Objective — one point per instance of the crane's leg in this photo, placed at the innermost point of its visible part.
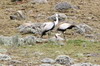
(41, 36)
(49, 34)
(64, 36)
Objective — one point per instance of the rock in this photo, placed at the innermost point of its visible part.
(15, 61)
(83, 29)
(5, 57)
(39, 1)
(57, 40)
(57, 37)
(17, 40)
(30, 40)
(45, 65)
(5, 40)
(63, 6)
(84, 64)
(34, 28)
(89, 35)
(61, 17)
(11, 40)
(40, 40)
(64, 60)
(19, 15)
(48, 60)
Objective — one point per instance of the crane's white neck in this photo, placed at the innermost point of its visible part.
(56, 22)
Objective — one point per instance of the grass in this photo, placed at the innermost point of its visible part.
(73, 48)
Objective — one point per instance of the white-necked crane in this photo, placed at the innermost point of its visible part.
(48, 26)
(63, 27)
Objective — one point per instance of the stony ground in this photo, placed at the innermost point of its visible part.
(88, 9)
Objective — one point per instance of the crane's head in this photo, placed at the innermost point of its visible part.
(56, 14)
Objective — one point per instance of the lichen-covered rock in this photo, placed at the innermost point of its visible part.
(64, 60)
(17, 40)
(84, 28)
(63, 6)
(30, 40)
(61, 17)
(34, 28)
(48, 60)
(6, 40)
(5, 57)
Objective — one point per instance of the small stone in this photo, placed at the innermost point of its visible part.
(48, 60)
(15, 61)
(64, 60)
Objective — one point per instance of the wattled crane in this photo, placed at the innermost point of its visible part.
(63, 27)
(48, 26)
